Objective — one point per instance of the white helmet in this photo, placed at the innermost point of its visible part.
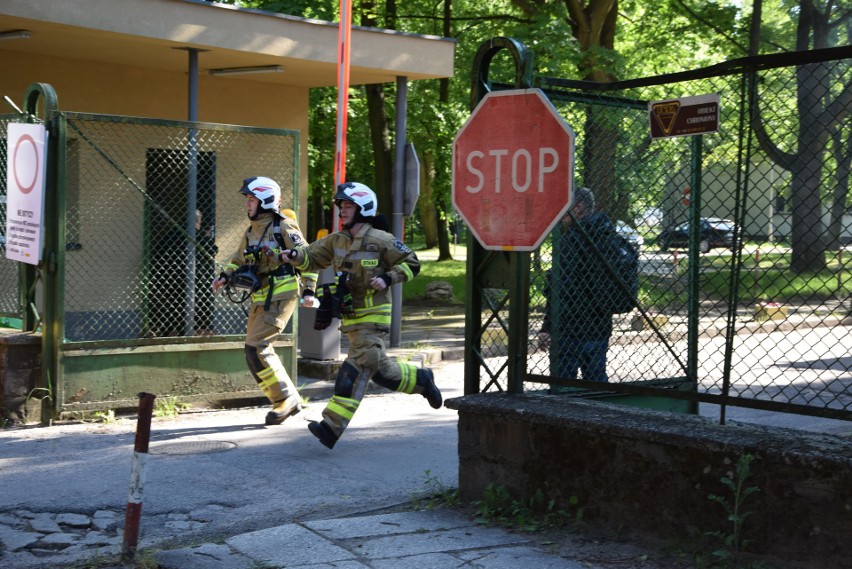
(360, 195)
(264, 189)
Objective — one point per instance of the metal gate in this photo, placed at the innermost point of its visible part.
(722, 315)
(139, 214)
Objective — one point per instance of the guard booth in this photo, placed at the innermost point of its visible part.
(138, 215)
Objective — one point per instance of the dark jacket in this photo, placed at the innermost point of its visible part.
(575, 307)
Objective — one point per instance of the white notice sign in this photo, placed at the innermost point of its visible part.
(25, 171)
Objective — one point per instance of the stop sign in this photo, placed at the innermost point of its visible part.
(513, 164)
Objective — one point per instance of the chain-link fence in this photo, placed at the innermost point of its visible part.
(152, 209)
(9, 296)
(744, 287)
(139, 217)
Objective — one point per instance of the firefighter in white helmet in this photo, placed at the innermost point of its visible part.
(367, 260)
(273, 287)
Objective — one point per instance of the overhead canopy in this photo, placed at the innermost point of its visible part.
(154, 34)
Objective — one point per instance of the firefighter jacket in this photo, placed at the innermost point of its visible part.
(278, 280)
(370, 253)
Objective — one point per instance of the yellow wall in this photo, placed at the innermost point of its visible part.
(90, 87)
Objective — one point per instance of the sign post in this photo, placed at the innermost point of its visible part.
(688, 116)
(513, 163)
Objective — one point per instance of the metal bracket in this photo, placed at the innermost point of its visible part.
(481, 84)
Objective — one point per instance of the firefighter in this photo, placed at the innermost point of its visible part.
(367, 260)
(274, 291)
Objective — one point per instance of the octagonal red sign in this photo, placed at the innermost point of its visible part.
(513, 165)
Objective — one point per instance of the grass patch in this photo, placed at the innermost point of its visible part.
(451, 271)
(779, 286)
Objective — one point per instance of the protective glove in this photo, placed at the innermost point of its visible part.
(309, 300)
(324, 314)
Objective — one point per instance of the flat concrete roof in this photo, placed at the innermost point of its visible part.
(155, 34)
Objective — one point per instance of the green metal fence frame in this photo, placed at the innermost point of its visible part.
(488, 270)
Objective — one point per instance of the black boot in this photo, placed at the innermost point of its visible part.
(283, 411)
(426, 380)
(323, 432)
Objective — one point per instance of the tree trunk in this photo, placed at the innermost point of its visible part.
(381, 143)
(808, 242)
(425, 205)
(818, 117)
(594, 28)
(843, 158)
(599, 159)
(442, 217)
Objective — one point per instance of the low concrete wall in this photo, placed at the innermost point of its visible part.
(653, 471)
(20, 373)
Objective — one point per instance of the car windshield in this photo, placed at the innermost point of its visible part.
(722, 224)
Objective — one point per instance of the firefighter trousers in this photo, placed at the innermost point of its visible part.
(262, 329)
(366, 354)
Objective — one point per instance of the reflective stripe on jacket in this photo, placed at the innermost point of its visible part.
(261, 233)
(369, 254)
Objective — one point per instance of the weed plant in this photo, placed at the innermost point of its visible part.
(734, 505)
(532, 515)
(168, 407)
(438, 494)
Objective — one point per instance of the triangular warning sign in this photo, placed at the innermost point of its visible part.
(666, 113)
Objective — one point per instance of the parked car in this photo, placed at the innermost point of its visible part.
(714, 232)
(633, 237)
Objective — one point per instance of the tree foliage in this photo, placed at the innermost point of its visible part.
(599, 40)
(823, 101)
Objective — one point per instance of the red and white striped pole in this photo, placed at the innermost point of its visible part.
(344, 45)
(137, 476)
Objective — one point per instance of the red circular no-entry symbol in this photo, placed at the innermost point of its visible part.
(25, 144)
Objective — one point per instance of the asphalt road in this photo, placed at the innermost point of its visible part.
(396, 448)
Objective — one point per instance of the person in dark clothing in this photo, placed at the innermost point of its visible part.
(578, 322)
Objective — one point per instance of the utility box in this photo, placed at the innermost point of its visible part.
(318, 344)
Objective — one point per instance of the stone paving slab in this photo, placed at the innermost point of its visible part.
(288, 545)
(206, 556)
(389, 524)
(334, 565)
(444, 541)
(426, 561)
(514, 558)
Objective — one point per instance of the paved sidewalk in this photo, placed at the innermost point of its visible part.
(417, 540)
